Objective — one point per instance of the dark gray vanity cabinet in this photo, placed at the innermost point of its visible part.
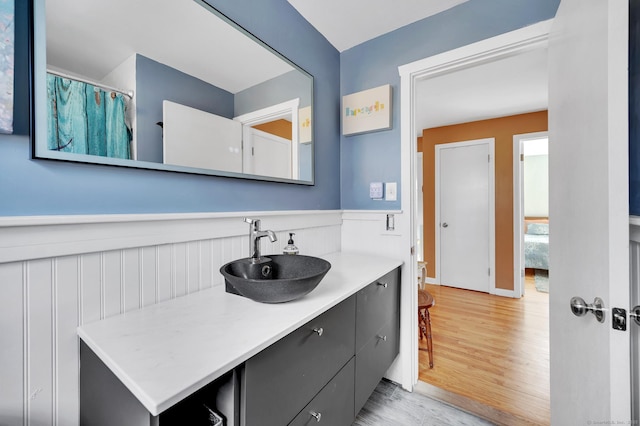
(377, 333)
(279, 381)
(309, 376)
(324, 370)
(334, 404)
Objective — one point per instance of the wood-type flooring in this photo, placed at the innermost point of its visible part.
(491, 354)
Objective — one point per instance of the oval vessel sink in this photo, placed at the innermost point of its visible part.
(275, 278)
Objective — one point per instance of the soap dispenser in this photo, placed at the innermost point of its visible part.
(290, 247)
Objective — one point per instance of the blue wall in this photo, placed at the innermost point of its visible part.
(156, 82)
(288, 86)
(44, 187)
(375, 157)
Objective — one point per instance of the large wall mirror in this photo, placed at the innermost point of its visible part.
(167, 85)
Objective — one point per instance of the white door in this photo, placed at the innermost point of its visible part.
(196, 138)
(271, 155)
(464, 220)
(588, 210)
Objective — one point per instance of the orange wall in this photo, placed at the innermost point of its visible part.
(280, 128)
(502, 129)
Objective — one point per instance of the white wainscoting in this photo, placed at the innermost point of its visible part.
(365, 231)
(59, 272)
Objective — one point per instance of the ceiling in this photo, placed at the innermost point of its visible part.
(349, 23)
(513, 85)
(92, 48)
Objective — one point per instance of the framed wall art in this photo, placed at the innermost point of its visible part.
(367, 111)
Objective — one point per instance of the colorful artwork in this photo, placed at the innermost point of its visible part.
(6, 65)
(367, 111)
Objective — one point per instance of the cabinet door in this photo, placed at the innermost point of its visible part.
(279, 381)
(373, 361)
(334, 404)
(377, 304)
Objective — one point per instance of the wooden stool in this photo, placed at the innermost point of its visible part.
(425, 301)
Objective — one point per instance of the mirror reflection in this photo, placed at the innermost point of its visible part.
(172, 85)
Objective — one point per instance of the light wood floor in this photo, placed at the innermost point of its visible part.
(491, 351)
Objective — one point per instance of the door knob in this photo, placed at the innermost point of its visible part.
(580, 308)
(444, 225)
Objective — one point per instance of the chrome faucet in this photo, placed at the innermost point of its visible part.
(254, 237)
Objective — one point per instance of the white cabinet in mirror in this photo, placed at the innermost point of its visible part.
(141, 96)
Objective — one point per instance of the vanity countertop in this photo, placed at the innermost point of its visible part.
(165, 352)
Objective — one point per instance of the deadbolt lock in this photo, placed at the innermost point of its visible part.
(619, 319)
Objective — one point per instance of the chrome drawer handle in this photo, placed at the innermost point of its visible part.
(385, 285)
(318, 331)
(383, 338)
(317, 416)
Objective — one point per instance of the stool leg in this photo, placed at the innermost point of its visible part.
(422, 332)
(429, 340)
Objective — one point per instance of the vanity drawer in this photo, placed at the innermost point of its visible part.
(376, 305)
(334, 404)
(374, 360)
(279, 381)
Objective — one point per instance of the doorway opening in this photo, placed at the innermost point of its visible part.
(531, 210)
(481, 306)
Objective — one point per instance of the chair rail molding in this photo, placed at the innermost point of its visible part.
(37, 237)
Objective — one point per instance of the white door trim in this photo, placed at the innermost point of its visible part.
(282, 110)
(492, 206)
(528, 38)
(518, 212)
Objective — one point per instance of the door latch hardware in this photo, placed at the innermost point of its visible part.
(619, 320)
(580, 308)
(635, 314)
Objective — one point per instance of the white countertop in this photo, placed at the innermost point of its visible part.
(165, 352)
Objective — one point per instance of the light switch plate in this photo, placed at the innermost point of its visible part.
(391, 191)
(376, 190)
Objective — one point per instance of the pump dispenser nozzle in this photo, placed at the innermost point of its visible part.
(290, 247)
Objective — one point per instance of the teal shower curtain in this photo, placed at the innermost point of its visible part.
(85, 119)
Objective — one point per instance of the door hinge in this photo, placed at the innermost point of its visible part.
(488, 158)
(413, 251)
(489, 271)
(253, 151)
(521, 157)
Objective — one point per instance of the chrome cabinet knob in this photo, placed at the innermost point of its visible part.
(381, 284)
(444, 225)
(315, 415)
(383, 338)
(318, 331)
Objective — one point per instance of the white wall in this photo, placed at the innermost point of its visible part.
(124, 77)
(536, 185)
(59, 272)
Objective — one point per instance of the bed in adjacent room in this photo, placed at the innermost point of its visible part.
(536, 251)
